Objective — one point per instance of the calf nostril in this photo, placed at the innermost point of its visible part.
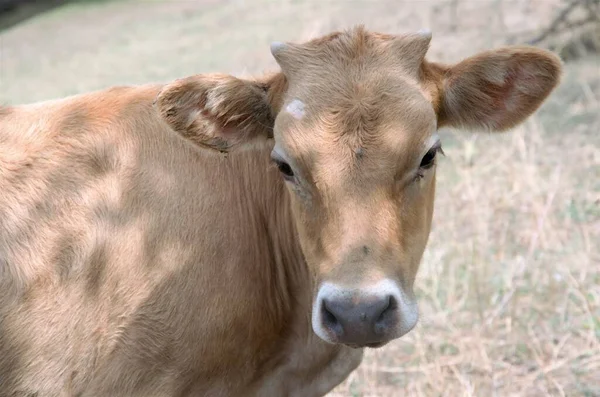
(388, 302)
(329, 319)
(328, 316)
(387, 311)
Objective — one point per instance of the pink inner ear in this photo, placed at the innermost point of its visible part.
(514, 96)
(223, 133)
(231, 134)
(498, 90)
(506, 98)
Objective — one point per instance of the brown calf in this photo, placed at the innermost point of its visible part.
(135, 262)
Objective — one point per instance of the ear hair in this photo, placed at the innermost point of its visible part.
(216, 110)
(494, 90)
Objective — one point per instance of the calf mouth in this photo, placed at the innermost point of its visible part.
(374, 345)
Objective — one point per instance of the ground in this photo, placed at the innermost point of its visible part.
(509, 287)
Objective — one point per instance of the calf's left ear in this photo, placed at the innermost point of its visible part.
(217, 111)
(495, 90)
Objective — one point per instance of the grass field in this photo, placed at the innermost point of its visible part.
(509, 287)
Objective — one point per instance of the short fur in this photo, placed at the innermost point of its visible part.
(134, 261)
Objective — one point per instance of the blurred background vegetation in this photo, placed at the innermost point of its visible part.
(509, 287)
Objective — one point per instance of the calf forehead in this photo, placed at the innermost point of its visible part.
(364, 127)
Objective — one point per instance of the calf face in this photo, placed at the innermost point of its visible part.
(353, 120)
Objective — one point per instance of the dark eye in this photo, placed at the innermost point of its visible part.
(429, 159)
(284, 168)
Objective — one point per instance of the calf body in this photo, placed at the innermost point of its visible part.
(133, 264)
(137, 258)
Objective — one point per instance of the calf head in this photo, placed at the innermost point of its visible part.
(353, 120)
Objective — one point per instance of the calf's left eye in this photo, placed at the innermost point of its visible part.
(429, 159)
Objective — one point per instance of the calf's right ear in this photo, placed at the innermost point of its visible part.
(217, 111)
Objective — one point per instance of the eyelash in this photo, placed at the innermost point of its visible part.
(432, 154)
(286, 171)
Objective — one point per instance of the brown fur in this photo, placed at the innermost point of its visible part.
(133, 263)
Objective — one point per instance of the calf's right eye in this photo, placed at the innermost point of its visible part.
(285, 169)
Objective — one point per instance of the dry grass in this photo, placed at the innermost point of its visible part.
(509, 287)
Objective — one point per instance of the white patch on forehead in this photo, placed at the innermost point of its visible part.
(296, 109)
